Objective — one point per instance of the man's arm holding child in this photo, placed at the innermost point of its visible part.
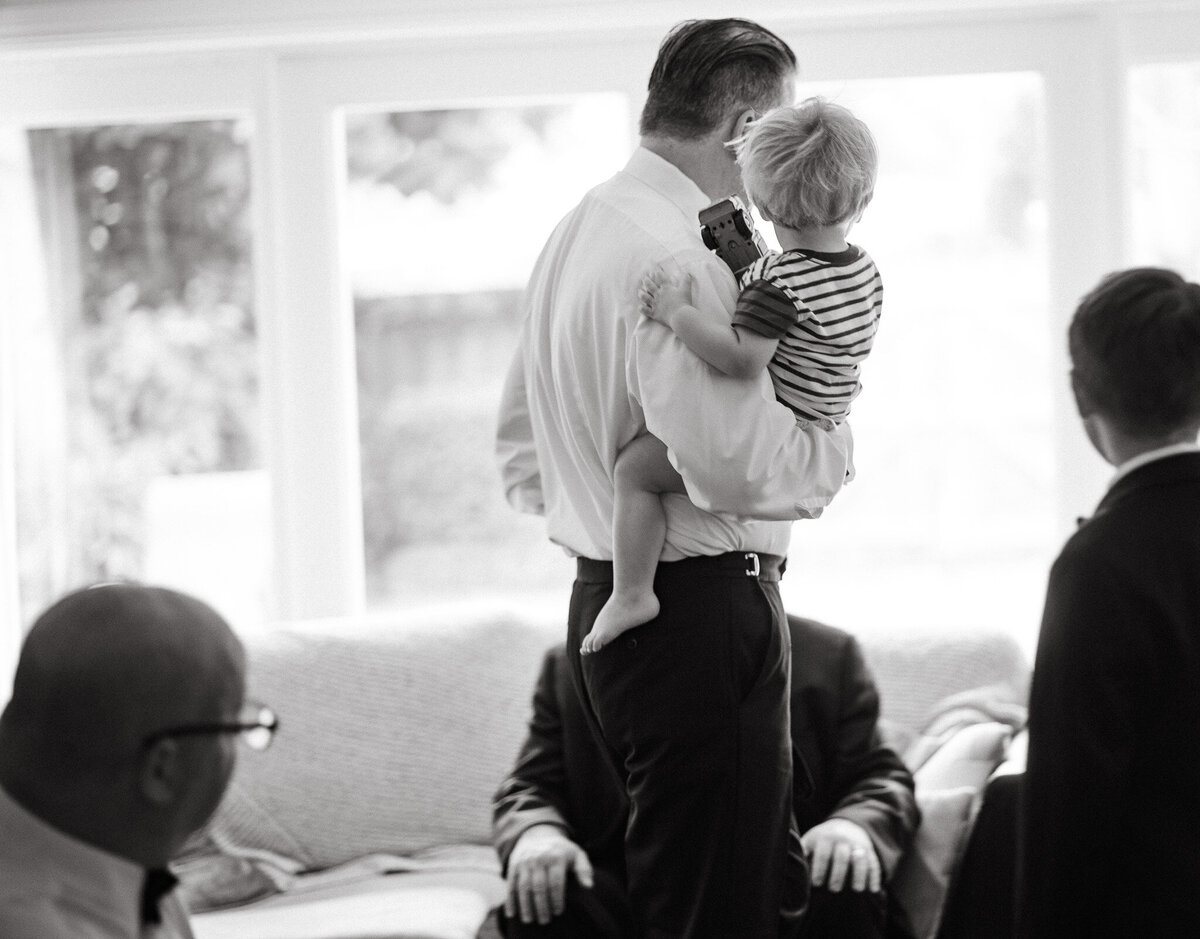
(738, 449)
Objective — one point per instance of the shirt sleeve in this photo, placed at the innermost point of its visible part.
(739, 451)
(764, 308)
(516, 453)
(534, 793)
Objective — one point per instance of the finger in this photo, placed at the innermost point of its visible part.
(524, 895)
(583, 870)
(510, 898)
(838, 866)
(820, 860)
(541, 895)
(876, 878)
(860, 869)
(556, 880)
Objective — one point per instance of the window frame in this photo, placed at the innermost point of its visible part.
(295, 84)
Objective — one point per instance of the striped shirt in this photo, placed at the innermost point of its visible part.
(824, 309)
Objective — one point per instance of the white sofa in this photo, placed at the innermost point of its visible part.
(370, 815)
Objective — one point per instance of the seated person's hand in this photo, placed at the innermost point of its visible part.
(838, 847)
(537, 873)
(661, 295)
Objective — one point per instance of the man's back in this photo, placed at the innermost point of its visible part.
(1112, 829)
(582, 354)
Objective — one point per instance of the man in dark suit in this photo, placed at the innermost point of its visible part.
(1111, 802)
(560, 816)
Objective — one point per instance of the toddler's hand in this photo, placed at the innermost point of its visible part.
(660, 295)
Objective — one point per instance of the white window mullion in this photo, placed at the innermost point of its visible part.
(1085, 132)
(312, 422)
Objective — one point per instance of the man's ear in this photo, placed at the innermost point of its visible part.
(738, 125)
(1084, 403)
(159, 771)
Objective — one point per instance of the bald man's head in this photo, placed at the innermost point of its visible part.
(105, 666)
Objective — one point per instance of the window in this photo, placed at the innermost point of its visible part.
(953, 431)
(1164, 106)
(366, 364)
(446, 212)
(136, 426)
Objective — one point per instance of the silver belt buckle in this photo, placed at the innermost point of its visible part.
(752, 559)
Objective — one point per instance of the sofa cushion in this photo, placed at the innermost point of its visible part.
(916, 671)
(394, 732)
(425, 905)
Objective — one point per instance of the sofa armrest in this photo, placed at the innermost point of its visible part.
(949, 787)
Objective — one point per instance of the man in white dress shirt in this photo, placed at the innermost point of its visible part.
(116, 745)
(692, 707)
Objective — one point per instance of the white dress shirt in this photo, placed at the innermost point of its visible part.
(591, 374)
(53, 886)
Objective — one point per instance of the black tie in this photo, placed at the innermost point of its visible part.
(159, 882)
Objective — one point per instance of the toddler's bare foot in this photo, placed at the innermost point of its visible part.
(620, 614)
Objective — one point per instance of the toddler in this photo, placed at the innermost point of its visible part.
(807, 313)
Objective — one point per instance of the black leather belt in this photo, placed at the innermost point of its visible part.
(769, 567)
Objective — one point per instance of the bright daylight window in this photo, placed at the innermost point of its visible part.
(1164, 102)
(137, 434)
(951, 518)
(446, 212)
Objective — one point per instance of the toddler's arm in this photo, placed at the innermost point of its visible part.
(739, 353)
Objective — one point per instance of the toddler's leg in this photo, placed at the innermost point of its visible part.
(639, 529)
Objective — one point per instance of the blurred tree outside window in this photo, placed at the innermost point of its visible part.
(446, 212)
(138, 439)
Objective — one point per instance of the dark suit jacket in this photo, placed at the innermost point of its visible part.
(561, 776)
(1111, 803)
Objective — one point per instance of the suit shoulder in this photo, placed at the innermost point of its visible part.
(820, 652)
(820, 635)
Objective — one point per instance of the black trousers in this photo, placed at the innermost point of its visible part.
(603, 913)
(692, 710)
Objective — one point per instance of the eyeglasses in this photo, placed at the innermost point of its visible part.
(256, 726)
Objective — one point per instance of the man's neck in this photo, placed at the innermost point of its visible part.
(1118, 447)
(705, 161)
(87, 816)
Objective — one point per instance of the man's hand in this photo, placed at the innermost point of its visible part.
(838, 847)
(537, 873)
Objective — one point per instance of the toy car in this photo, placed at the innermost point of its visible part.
(727, 229)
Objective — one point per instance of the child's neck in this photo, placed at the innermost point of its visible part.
(829, 238)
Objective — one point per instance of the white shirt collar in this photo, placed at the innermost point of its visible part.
(56, 864)
(1149, 457)
(667, 179)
